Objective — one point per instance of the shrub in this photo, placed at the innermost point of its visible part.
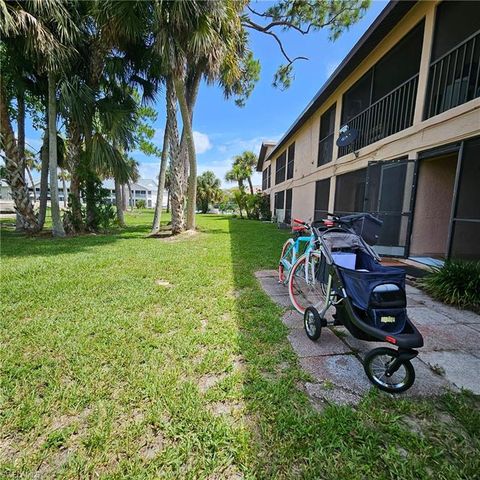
(140, 204)
(456, 283)
(258, 206)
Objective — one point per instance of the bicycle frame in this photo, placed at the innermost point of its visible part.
(295, 251)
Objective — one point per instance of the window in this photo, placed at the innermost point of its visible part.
(266, 178)
(149, 192)
(325, 144)
(280, 168)
(279, 200)
(288, 206)
(350, 192)
(322, 195)
(291, 160)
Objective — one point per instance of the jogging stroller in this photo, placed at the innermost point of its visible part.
(369, 299)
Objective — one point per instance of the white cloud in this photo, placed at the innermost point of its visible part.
(202, 142)
(331, 67)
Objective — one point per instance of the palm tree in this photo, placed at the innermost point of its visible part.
(247, 162)
(236, 174)
(199, 39)
(208, 190)
(48, 30)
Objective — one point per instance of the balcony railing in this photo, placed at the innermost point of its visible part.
(454, 77)
(388, 115)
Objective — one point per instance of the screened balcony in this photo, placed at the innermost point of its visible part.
(382, 102)
(454, 75)
(391, 114)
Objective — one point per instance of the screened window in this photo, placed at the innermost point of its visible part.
(357, 99)
(454, 22)
(325, 144)
(288, 206)
(266, 178)
(280, 168)
(466, 222)
(279, 200)
(350, 191)
(291, 160)
(322, 195)
(397, 66)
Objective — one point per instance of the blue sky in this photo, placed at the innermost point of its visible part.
(223, 130)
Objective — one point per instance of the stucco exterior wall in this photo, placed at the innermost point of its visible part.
(455, 124)
(433, 206)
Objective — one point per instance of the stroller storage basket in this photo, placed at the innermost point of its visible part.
(380, 293)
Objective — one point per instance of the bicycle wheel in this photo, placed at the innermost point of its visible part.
(287, 254)
(304, 288)
(376, 363)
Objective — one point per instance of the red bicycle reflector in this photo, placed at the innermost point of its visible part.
(328, 223)
(390, 339)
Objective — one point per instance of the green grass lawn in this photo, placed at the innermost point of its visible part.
(128, 357)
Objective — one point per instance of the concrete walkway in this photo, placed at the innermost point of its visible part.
(450, 358)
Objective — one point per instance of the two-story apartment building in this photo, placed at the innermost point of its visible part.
(409, 94)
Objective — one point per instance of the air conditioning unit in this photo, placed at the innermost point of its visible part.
(280, 215)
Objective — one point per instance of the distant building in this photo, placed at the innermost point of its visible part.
(145, 189)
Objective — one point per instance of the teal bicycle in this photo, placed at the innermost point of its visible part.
(294, 248)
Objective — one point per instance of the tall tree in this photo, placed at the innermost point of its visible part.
(208, 189)
(48, 30)
(236, 174)
(243, 166)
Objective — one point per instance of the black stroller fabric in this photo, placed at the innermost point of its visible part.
(359, 286)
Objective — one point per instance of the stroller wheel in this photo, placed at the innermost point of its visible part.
(312, 323)
(377, 363)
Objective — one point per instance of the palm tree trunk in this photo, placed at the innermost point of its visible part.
(57, 225)
(125, 199)
(118, 203)
(157, 218)
(168, 201)
(192, 84)
(75, 150)
(21, 145)
(44, 157)
(250, 184)
(177, 194)
(192, 161)
(14, 168)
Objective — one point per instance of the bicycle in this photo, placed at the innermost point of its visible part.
(293, 248)
(306, 285)
(308, 281)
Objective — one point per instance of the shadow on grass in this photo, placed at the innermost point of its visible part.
(277, 408)
(16, 244)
